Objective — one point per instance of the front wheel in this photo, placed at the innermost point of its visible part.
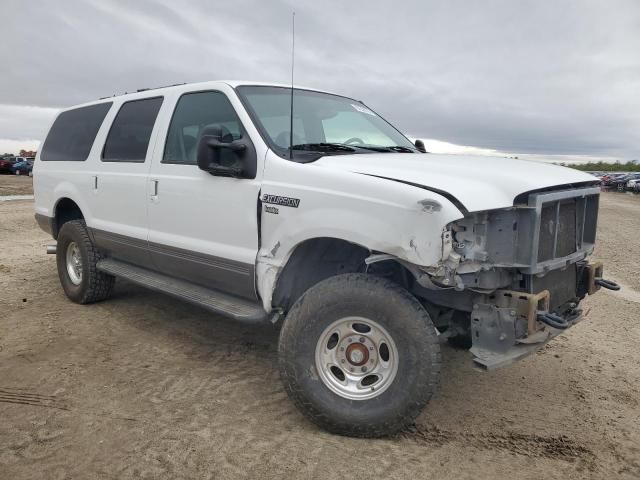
(359, 356)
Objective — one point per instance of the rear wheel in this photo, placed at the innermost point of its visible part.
(76, 257)
(359, 356)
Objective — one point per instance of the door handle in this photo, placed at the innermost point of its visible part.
(95, 182)
(154, 188)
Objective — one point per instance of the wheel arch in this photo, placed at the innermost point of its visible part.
(316, 259)
(65, 210)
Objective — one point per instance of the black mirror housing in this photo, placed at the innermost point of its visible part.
(209, 154)
(420, 146)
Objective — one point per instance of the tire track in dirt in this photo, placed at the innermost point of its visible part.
(21, 396)
(558, 447)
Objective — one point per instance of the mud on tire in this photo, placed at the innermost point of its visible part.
(95, 285)
(398, 313)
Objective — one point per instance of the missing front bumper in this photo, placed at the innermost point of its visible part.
(506, 327)
(490, 356)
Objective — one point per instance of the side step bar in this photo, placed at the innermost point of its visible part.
(218, 302)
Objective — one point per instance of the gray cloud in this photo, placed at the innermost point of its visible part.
(557, 77)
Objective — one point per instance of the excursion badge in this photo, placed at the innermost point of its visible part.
(282, 201)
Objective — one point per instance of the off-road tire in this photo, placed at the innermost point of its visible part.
(95, 285)
(407, 322)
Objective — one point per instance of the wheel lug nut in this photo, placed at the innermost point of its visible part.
(351, 369)
(350, 339)
(364, 369)
(371, 348)
(361, 339)
(342, 361)
(342, 349)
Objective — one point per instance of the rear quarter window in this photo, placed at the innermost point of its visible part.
(129, 136)
(73, 133)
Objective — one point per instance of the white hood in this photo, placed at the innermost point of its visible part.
(479, 183)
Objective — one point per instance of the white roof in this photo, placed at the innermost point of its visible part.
(144, 93)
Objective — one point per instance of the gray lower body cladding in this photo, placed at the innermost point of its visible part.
(45, 223)
(209, 271)
(217, 273)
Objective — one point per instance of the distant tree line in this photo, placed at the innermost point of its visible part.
(630, 166)
(23, 153)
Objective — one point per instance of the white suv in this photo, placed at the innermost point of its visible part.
(363, 246)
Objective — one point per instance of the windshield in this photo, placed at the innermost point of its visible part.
(323, 124)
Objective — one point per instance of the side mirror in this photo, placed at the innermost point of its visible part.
(420, 146)
(210, 154)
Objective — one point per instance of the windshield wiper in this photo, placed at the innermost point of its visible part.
(378, 148)
(343, 147)
(373, 148)
(323, 147)
(400, 148)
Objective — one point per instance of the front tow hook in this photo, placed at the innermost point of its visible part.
(553, 320)
(608, 284)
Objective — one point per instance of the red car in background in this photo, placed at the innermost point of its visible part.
(6, 165)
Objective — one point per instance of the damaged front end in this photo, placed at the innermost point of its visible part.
(518, 274)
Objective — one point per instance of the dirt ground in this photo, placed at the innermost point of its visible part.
(16, 185)
(144, 386)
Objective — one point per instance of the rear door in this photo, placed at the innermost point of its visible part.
(119, 182)
(202, 228)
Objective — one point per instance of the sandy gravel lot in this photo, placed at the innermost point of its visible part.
(144, 386)
(16, 185)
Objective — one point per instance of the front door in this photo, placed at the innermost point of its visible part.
(202, 228)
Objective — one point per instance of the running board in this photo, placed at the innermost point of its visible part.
(213, 300)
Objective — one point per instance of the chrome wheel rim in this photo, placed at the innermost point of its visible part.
(74, 263)
(356, 358)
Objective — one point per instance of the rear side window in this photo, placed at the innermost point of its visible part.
(130, 132)
(194, 112)
(73, 132)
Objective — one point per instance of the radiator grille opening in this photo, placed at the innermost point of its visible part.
(566, 226)
(547, 232)
(566, 242)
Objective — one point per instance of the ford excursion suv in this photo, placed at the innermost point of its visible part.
(363, 248)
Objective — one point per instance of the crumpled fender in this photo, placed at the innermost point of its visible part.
(381, 215)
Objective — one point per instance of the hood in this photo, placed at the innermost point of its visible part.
(477, 182)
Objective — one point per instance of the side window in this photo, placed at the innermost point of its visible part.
(130, 132)
(195, 112)
(73, 133)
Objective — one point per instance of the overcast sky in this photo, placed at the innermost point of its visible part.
(541, 77)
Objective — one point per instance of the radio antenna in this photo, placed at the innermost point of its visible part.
(293, 46)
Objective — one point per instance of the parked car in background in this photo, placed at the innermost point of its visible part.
(620, 183)
(604, 179)
(612, 181)
(632, 182)
(22, 167)
(6, 164)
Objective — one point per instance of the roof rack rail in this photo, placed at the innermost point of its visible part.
(143, 90)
